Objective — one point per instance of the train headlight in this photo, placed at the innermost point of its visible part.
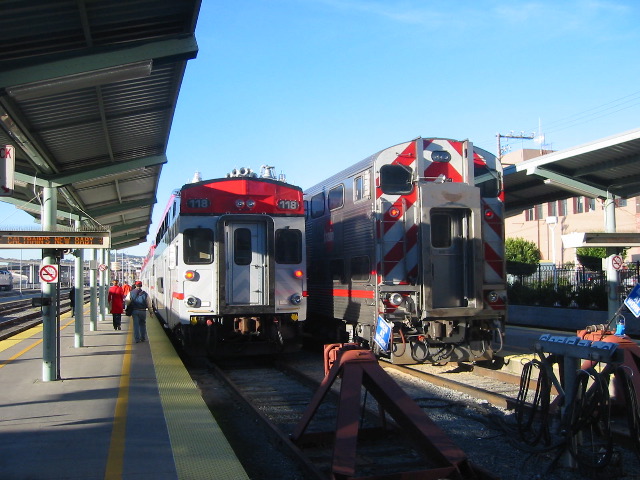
(192, 301)
(395, 299)
(239, 203)
(488, 214)
(251, 203)
(493, 296)
(191, 275)
(394, 212)
(298, 273)
(295, 299)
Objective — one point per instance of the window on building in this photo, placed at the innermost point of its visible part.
(552, 209)
(591, 204)
(529, 215)
(562, 208)
(538, 211)
(578, 204)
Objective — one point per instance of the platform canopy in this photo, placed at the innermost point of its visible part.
(610, 166)
(88, 91)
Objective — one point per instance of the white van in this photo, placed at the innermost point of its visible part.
(6, 280)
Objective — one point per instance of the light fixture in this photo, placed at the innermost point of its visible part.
(92, 78)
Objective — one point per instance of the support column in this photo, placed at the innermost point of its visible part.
(78, 278)
(612, 274)
(93, 292)
(50, 367)
(102, 285)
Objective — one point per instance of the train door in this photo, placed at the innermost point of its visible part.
(449, 236)
(246, 247)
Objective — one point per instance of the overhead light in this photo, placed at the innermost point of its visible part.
(76, 81)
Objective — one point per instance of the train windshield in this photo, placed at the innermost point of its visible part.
(395, 179)
(198, 246)
(288, 246)
(487, 180)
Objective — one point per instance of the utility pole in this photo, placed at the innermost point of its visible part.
(512, 135)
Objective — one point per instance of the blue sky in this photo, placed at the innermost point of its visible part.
(311, 86)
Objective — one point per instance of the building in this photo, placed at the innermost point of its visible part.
(545, 224)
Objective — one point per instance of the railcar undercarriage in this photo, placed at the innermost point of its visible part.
(225, 336)
(436, 341)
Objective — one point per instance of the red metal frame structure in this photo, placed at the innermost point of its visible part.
(359, 367)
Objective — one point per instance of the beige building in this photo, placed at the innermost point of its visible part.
(546, 223)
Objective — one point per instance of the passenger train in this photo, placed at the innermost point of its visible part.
(405, 253)
(227, 271)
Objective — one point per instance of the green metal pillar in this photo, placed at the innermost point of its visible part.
(93, 292)
(78, 283)
(50, 354)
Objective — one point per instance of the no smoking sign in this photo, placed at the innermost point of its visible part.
(49, 273)
(616, 262)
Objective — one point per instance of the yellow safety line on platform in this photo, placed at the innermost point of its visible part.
(16, 339)
(115, 460)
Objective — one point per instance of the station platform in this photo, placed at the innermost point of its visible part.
(121, 410)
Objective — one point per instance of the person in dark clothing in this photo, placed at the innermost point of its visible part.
(72, 299)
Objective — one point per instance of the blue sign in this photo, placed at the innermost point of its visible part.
(383, 334)
(633, 301)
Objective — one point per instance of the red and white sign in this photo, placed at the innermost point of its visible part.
(49, 273)
(102, 267)
(616, 262)
(7, 170)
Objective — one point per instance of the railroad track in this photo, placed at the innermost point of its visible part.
(19, 315)
(277, 394)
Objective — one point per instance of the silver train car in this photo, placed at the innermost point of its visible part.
(227, 271)
(405, 253)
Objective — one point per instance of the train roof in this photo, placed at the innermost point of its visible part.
(364, 163)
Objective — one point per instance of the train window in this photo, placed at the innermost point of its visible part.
(440, 230)
(288, 246)
(160, 284)
(198, 246)
(487, 180)
(360, 268)
(395, 179)
(336, 268)
(336, 197)
(317, 205)
(358, 189)
(242, 252)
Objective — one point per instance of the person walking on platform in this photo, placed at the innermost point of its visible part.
(126, 288)
(72, 300)
(140, 302)
(116, 304)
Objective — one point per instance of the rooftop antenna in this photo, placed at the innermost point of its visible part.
(196, 177)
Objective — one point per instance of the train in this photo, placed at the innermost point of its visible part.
(226, 272)
(405, 253)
